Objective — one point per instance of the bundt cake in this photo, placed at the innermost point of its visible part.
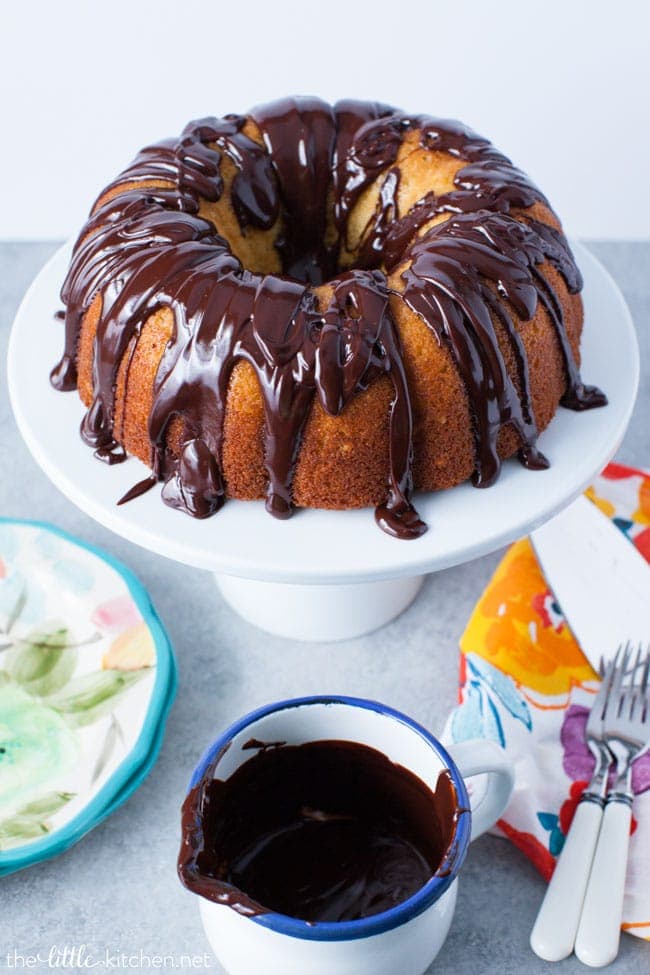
(324, 306)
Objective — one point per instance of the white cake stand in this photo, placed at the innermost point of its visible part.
(324, 575)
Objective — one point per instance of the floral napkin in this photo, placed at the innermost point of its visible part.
(525, 683)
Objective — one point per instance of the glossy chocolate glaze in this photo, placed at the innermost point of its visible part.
(299, 135)
(485, 256)
(326, 831)
(145, 246)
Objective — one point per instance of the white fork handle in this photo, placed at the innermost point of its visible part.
(599, 930)
(554, 933)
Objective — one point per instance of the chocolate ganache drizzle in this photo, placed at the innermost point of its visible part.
(324, 831)
(146, 246)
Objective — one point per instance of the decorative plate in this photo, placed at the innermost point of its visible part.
(87, 676)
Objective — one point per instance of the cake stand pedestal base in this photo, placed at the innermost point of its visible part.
(319, 613)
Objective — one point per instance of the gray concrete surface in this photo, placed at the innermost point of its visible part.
(117, 890)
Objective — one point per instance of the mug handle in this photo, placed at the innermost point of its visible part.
(482, 757)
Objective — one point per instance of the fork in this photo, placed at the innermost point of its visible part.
(554, 933)
(627, 733)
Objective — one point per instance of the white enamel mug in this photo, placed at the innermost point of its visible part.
(407, 937)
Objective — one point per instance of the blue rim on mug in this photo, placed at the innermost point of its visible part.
(395, 916)
(142, 757)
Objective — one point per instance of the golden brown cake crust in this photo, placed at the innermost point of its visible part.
(342, 458)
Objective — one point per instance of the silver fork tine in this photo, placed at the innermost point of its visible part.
(619, 668)
(626, 660)
(604, 695)
(643, 683)
(646, 672)
(628, 701)
(631, 694)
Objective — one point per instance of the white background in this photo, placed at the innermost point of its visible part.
(561, 87)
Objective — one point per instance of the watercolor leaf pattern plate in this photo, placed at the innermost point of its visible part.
(85, 681)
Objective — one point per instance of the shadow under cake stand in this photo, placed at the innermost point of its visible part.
(324, 575)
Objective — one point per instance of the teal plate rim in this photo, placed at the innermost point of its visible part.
(138, 763)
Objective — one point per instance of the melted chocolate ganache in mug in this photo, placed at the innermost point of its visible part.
(325, 831)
